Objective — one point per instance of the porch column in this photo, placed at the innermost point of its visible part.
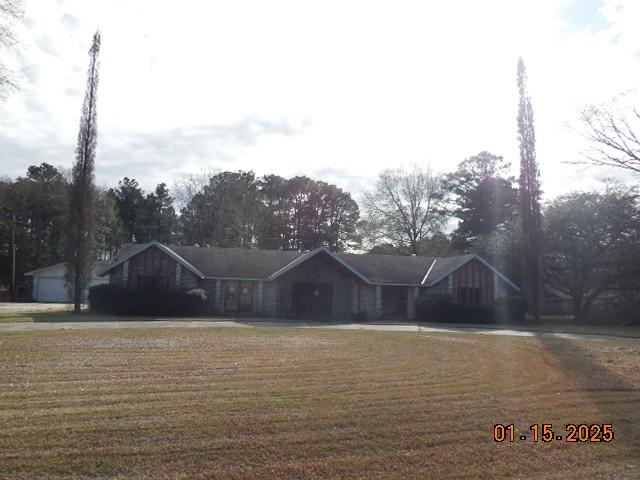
(125, 274)
(260, 297)
(495, 287)
(178, 275)
(355, 304)
(279, 298)
(378, 299)
(218, 301)
(36, 285)
(450, 284)
(411, 303)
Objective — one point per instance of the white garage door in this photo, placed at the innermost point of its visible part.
(52, 289)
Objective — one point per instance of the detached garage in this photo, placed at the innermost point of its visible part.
(48, 284)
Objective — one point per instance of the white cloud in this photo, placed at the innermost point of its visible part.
(374, 84)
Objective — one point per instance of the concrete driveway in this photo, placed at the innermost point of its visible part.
(109, 325)
(33, 307)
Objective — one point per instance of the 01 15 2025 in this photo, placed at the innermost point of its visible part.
(544, 433)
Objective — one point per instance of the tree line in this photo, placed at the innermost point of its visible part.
(233, 209)
(582, 246)
(240, 209)
(591, 238)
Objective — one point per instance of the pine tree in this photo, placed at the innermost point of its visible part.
(80, 242)
(529, 199)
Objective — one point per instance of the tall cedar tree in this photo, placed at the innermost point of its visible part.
(80, 243)
(529, 199)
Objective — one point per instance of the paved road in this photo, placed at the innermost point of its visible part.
(33, 307)
(44, 326)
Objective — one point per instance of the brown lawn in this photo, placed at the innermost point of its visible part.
(299, 403)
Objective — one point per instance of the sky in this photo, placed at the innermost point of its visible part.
(336, 90)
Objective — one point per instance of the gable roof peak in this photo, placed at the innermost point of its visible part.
(257, 264)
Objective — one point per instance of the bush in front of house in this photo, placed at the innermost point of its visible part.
(474, 313)
(100, 298)
(510, 309)
(111, 299)
(444, 308)
(360, 317)
(438, 307)
(195, 301)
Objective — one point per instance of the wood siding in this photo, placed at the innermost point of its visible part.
(153, 263)
(473, 275)
(319, 269)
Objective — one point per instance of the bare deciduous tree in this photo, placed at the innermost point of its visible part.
(406, 206)
(188, 184)
(10, 11)
(613, 133)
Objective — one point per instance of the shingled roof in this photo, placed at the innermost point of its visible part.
(218, 262)
(389, 268)
(236, 262)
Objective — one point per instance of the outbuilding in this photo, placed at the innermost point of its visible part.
(48, 283)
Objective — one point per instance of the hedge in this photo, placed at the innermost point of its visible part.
(112, 299)
(438, 307)
(510, 309)
(475, 314)
(444, 308)
(361, 316)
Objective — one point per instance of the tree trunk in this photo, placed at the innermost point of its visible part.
(13, 257)
(77, 289)
(580, 309)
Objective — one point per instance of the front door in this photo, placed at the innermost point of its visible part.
(312, 299)
(245, 303)
(231, 296)
(238, 296)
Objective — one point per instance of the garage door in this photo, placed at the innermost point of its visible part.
(52, 289)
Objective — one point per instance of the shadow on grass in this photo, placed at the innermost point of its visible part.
(617, 399)
(64, 317)
(98, 317)
(58, 317)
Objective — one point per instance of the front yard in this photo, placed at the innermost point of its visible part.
(61, 313)
(301, 403)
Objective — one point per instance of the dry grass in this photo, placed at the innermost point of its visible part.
(11, 317)
(297, 403)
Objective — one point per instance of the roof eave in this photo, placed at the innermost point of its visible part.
(30, 273)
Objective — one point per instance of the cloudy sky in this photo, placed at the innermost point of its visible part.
(336, 90)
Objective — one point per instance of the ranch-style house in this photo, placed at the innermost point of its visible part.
(313, 284)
